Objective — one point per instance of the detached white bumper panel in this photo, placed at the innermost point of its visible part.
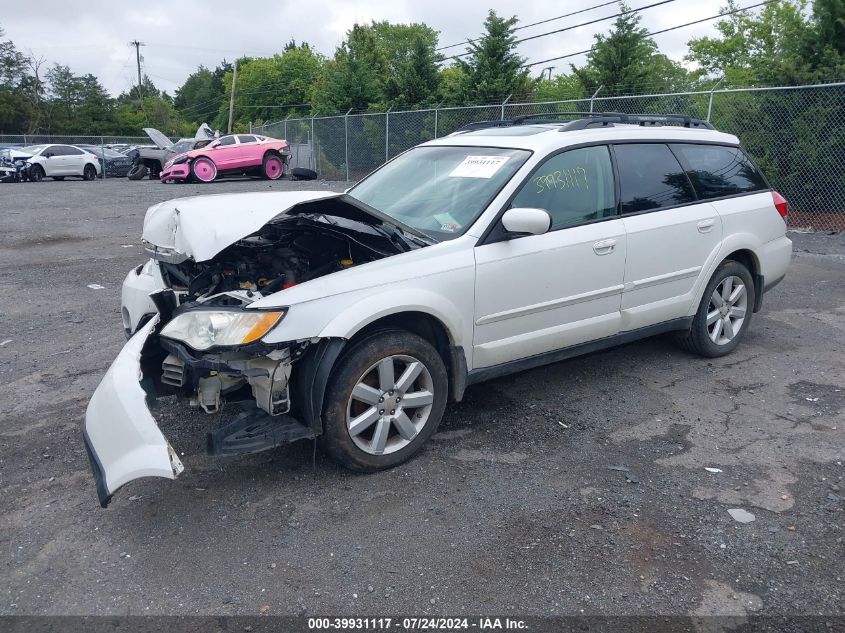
(135, 295)
(121, 436)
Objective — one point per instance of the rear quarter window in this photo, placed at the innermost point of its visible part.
(717, 171)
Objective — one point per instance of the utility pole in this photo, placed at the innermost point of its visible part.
(138, 46)
(232, 96)
(550, 69)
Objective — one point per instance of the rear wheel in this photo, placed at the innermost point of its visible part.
(385, 399)
(724, 312)
(273, 167)
(204, 169)
(36, 173)
(89, 173)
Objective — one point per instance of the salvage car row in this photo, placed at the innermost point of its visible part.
(204, 158)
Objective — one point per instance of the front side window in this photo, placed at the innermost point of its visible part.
(717, 170)
(574, 187)
(227, 140)
(650, 177)
(440, 190)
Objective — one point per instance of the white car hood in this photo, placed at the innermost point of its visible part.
(202, 226)
(161, 141)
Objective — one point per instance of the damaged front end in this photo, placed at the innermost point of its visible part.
(203, 343)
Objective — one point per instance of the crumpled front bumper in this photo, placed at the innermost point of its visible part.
(121, 436)
(182, 171)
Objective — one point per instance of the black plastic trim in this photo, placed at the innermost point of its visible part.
(97, 468)
(310, 378)
(538, 360)
(458, 373)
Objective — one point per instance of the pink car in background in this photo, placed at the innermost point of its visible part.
(247, 154)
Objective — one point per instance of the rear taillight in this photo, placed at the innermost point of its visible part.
(781, 205)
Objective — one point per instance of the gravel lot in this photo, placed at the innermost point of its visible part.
(576, 488)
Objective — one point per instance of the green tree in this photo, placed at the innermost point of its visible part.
(272, 88)
(626, 61)
(202, 98)
(757, 48)
(492, 67)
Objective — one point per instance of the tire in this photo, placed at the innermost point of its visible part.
(273, 167)
(89, 172)
(36, 173)
(59, 178)
(139, 171)
(358, 369)
(203, 169)
(728, 321)
(303, 173)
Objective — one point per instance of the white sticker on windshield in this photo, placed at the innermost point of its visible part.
(478, 167)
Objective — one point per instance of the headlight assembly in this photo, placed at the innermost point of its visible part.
(204, 329)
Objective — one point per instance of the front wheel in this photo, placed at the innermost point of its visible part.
(724, 313)
(204, 169)
(385, 399)
(36, 173)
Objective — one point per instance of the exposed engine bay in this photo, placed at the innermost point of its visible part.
(281, 254)
(289, 250)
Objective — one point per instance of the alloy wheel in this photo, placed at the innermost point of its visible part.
(727, 310)
(390, 404)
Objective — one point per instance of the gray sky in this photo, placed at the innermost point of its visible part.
(92, 36)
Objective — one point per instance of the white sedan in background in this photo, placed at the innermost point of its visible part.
(59, 161)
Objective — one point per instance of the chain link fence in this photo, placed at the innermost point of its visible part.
(796, 135)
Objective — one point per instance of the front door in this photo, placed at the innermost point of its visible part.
(225, 153)
(541, 293)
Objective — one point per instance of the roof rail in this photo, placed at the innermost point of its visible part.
(583, 120)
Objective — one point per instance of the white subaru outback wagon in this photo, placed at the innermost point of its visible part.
(352, 318)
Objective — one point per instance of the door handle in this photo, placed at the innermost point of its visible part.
(603, 247)
(705, 226)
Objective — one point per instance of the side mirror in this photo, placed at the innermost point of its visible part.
(48, 155)
(526, 221)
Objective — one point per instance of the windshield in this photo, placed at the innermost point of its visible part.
(33, 149)
(440, 190)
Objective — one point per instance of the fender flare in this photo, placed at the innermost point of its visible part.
(731, 244)
(389, 302)
(315, 368)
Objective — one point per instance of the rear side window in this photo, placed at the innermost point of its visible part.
(246, 139)
(650, 177)
(717, 171)
(574, 187)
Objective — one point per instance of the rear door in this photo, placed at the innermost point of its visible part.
(74, 160)
(247, 150)
(672, 235)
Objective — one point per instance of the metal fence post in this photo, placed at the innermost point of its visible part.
(103, 154)
(436, 112)
(594, 97)
(346, 141)
(386, 134)
(710, 100)
(503, 106)
(313, 145)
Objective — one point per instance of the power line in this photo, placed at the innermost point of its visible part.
(674, 28)
(577, 26)
(526, 26)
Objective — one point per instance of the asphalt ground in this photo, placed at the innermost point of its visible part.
(575, 488)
